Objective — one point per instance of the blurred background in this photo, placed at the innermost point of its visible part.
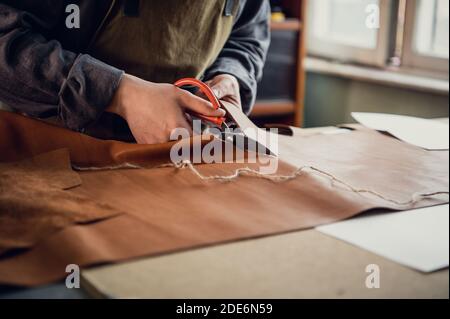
(329, 58)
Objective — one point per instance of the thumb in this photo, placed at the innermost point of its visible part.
(220, 89)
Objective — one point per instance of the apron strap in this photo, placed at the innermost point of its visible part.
(229, 7)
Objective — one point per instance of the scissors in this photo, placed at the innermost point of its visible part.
(244, 128)
(189, 83)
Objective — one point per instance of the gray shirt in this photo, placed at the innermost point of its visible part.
(45, 68)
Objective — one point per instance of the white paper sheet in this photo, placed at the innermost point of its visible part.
(427, 134)
(418, 239)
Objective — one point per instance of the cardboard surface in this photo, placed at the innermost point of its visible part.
(418, 238)
(428, 134)
(303, 264)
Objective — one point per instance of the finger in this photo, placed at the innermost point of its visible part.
(199, 105)
(188, 117)
(210, 84)
(223, 88)
(195, 124)
(181, 129)
(184, 124)
(201, 94)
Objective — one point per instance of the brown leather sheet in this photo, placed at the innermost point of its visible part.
(34, 201)
(169, 210)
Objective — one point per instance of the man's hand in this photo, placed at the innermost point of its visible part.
(154, 110)
(226, 88)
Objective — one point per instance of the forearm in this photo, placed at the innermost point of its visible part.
(244, 54)
(39, 77)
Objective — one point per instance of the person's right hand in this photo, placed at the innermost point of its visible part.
(154, 110)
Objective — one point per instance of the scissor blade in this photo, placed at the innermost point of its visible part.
(256, 136)
(244, 143)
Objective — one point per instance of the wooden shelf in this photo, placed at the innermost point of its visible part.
(274, 108)
(291, 111)
(289, 24)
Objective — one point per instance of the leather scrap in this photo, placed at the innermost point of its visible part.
(35, 201)
(169, 209)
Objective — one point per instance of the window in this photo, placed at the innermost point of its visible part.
(412, 33)
(431, 38)
(350, 30)
(426, 43)
(332, 23)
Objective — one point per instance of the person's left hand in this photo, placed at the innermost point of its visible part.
(226, 88)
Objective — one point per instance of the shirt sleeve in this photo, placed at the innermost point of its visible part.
(39, 77)
(244, 53)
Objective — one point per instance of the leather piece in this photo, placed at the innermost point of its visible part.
(170, 210)
(18, 141)
(52, 169)
(367, 159)
(35, 201)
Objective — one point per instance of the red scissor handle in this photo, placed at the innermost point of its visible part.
(205, 89)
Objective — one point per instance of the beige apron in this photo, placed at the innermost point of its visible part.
(169, 40)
